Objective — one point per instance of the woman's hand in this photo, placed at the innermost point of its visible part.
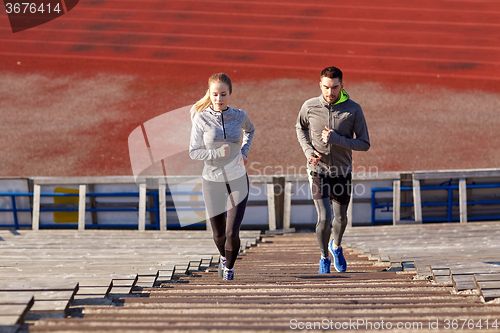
(244, 159)
(225, 150)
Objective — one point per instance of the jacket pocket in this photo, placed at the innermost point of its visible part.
(343, 124)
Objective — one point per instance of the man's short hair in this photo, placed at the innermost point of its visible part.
(332, 73)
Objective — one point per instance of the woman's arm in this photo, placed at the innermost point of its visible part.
(197, 149)
(248, 133)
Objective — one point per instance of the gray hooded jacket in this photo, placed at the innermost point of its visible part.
(350, 133)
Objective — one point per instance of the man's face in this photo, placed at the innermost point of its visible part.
(331, 88)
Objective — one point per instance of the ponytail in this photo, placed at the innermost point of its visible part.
(201, 105)
(205, 102)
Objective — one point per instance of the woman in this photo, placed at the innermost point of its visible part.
(215, 138)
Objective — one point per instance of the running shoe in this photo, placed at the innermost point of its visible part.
(228, 274)
(324, 265)
(222, 265)
(338, 258)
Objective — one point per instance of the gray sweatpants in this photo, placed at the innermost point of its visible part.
(324, 226)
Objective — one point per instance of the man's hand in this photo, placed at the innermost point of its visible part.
(313, 160)
(325, 135)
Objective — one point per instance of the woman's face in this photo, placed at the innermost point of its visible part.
(219, 95)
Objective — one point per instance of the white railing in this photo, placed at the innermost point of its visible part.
(286, 198)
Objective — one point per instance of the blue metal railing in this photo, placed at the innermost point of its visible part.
(14, 208)
(449, 203)
(387, 206)
(156, 209)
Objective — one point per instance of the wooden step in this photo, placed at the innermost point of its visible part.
(277, 282)
(13, 307)
(59, 267)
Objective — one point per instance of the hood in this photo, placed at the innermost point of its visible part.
(343, 97)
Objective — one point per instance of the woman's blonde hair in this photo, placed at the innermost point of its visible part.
(205, 102)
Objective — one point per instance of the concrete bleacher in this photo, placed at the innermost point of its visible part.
(276, 286)
(467, 255)
(43, 272)
(47, 275)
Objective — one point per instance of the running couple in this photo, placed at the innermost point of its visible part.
(326, 126)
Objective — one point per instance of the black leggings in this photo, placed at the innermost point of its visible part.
(324, 226)
(231, 198)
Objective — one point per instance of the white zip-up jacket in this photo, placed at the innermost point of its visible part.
(211, 129)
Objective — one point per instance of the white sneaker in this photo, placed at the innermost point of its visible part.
(228, 274)
(222, 265)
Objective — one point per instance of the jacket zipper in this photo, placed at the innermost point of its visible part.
(223, 127)
(330, 126)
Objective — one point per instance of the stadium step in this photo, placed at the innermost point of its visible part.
(44, 272)
(465, 254)
(277, 288)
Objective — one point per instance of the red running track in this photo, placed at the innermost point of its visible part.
(171, 46)
(430, 39)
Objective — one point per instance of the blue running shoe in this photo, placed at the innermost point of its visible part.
(324, 265)
(338, 258)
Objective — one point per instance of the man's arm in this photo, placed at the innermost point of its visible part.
(302, 128)
(361, 142)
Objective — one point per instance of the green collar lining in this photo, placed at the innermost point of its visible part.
(343, 97)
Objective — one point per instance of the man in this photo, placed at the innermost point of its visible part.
(329, 128)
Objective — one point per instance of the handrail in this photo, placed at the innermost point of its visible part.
(14, 207)
(449, 203)
(154, 209)
(273, 203)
